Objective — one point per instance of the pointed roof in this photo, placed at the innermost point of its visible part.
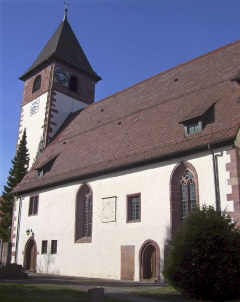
(64, 45)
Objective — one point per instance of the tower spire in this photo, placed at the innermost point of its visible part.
(65, 10)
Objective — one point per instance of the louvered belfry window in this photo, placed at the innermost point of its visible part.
(73, 84)
(188, 193)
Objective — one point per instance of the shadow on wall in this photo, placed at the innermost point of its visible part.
(44, 264)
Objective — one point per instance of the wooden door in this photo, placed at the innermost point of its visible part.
(149, 263)
(30, 255)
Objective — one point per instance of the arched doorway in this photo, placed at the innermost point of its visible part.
(30, 255)
(150, 261)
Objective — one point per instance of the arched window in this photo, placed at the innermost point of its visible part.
(37, 83)
(73, 84)
(183, 193)
(84, 209)
(188, 193)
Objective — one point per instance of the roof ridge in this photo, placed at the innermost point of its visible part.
(173, 68)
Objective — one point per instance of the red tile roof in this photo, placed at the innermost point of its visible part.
(143, 122)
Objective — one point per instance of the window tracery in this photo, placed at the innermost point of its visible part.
(188, 193)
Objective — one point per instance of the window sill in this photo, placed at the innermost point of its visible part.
(84, 240)
(132, 221)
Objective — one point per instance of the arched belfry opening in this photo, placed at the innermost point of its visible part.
(150, 261)
(30, 259)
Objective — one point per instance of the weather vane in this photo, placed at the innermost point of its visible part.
(66, 9)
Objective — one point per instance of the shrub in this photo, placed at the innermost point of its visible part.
(203, 260)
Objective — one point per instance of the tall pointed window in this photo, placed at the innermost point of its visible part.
(188, 193)
(87, 222)
(73, 84)
(37, 83)
(183, 193)
(84, 211)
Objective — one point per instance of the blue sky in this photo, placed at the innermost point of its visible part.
(126, 41)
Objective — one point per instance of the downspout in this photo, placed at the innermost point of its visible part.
(218, 207)
(18, 229)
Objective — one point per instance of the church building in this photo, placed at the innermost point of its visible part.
(109, 182)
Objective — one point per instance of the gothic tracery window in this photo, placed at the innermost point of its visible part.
(184, 197)
(188, 193)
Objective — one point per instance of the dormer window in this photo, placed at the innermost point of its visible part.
(193, 127)
(198, 118)
(236, 78)
(40, 172)
(73, 84)
(46, 166)
(37, 83)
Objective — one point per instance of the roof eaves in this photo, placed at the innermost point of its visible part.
(195, 149)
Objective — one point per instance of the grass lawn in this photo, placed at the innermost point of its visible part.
(43, 293)
(50, 293)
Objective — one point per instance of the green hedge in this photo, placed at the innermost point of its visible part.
(203, 261)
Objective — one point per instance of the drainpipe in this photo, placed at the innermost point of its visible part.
(18, 229)
(218, 207)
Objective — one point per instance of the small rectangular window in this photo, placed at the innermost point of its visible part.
(33, 205)
(44, 246)
(40, 173)
(133, 207)
(54, 247)
(193, 127)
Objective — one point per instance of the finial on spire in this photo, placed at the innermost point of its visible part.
(66, 10)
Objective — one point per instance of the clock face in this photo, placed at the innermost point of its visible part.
(61, 76)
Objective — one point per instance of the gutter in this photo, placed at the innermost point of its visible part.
(216, 183)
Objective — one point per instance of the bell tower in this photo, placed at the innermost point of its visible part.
(60, 81)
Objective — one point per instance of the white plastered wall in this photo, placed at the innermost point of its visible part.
(34, 125)
(102, 257)
(64, 105)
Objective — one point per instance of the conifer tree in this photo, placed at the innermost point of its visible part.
(16, 174)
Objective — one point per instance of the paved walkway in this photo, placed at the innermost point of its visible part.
(112, 288)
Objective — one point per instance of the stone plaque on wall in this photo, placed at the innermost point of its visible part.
(108, 213)
(127, 262)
